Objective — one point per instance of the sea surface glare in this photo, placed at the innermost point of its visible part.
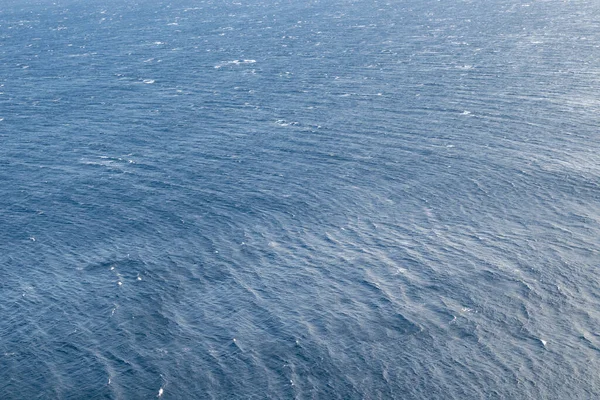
(334, 199)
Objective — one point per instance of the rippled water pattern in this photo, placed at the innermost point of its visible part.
(299, 199)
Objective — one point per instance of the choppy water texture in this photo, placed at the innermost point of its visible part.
(299, 199)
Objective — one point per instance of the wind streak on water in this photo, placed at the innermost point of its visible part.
(293, 200)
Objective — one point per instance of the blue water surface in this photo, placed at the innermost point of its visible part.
(261, 199)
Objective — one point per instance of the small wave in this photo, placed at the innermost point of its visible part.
(234, 62)
(283, 122)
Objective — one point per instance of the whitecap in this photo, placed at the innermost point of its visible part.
(283, 122)
(235, 62)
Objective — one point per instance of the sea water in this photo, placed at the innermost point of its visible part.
(341, 199)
